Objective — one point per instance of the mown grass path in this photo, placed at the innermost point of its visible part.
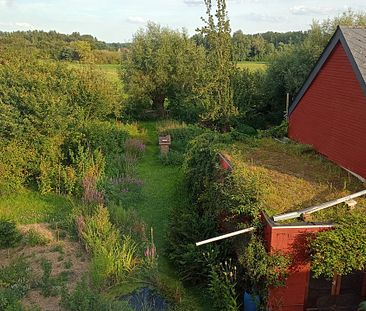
(160, 194)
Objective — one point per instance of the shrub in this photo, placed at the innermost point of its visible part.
(221, 285)
(9, 234)
(172, 158)
(34, 238)
(341, 250)
(262, 270)
(278, 131)
(134, 147)
(180, 133)
(47, 283)
(14, 283)
(113, 258)
(85, 299)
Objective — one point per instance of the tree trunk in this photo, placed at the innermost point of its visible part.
(158, 103)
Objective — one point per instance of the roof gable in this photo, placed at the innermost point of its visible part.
(353, 40)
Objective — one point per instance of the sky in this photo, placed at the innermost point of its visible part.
(118, 20)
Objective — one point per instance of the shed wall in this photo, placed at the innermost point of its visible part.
(292, 240)
(331, 116)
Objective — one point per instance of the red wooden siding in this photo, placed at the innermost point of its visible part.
(331, 116)
(292, 240)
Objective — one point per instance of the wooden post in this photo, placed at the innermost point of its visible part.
(287, 105)
(363, 293)
(336, 285)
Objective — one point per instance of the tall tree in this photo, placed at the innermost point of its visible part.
(162, 69)
(219, 104)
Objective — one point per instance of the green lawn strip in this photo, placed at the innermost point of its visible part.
(252, 66)
(28, 207)
(159, 197)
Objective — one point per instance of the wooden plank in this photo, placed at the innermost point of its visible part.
(225, 236)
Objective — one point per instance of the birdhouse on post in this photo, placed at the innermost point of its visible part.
(164, 143)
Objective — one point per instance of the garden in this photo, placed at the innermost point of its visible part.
(94, 217)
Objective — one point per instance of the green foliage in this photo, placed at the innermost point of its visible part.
(248, 88)
(341, 250)
(14, 284)
(172, 158)
(44, 108)
(47, 283)
(113, 258)
(83, 298)
(162, 71)
(219, 108)
(34, 238)
(9, 234)
(222, 282)
(202, 164)
(279, 131)
(262, 270)
(181, 134)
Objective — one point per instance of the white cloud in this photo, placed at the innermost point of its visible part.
(136, 20)
(193, 2)
(257, 17)
(310, 10)
(7, 3)
(24, 25)
(17, 26)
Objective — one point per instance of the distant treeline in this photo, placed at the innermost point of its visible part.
(73, 47)
(260, 46)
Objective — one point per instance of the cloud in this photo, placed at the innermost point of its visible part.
(17, 26)
(256, 17)
(310, 10)
(136, 20)
(193, 2)
(7, 3)
(200, 2)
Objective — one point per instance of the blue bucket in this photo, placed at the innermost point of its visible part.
(250, 302)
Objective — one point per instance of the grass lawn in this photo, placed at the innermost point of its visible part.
(252, 66)
(159, 195)
(29, 207)
(112, 71)
(294, 177)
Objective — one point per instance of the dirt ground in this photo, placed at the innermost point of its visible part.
(68, 258)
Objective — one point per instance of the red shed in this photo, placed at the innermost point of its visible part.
(329, 112)
(302, 292)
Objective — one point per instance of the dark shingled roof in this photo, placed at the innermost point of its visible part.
(356, 40)
(353, 40)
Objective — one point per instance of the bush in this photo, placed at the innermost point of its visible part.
(278, 131)
(14, 284)
(222, 282)
(44, 105)
(85, 299)
(9, 234)
(113, 258)
(341, 250)
(172, 158)
(180, 133)
(34, 238)
(262, 270)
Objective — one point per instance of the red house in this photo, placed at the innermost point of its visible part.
(329, 112)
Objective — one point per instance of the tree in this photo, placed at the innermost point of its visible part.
(219, 104)
(241, 46)
(163, 70)
(83, 51)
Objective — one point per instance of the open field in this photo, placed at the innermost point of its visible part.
(252, 66)
(112, 70)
